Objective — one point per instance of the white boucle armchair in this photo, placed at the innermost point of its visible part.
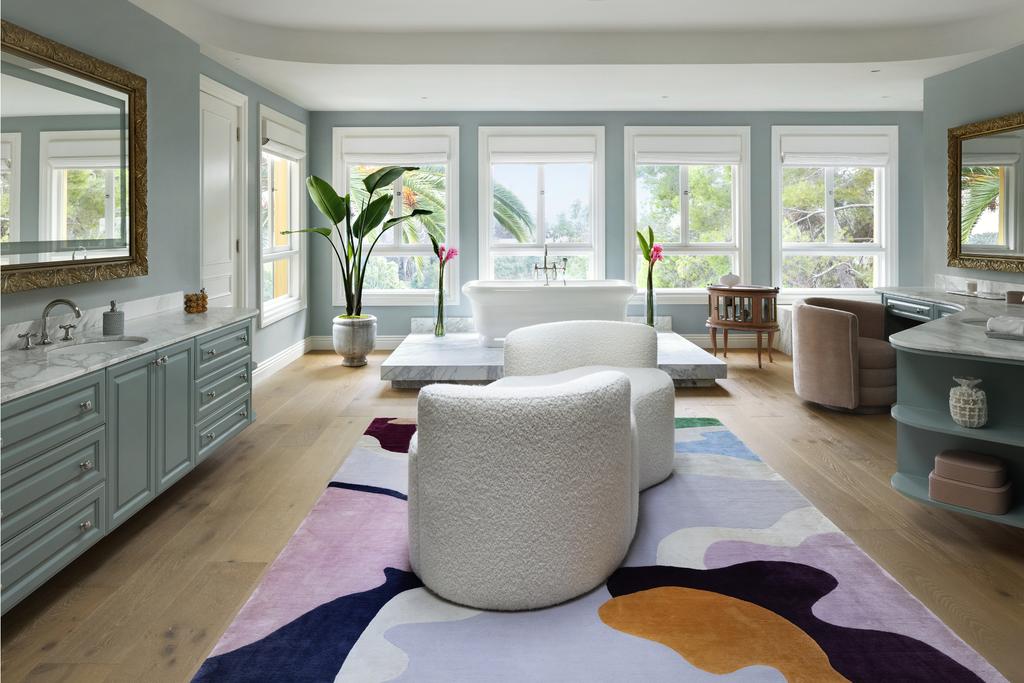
(558, 352)
(521, 498)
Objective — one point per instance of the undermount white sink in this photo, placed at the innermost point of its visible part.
(97, 346)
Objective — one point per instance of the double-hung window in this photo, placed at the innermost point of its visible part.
(541, 187)
(403, 269)
(835, 207)
(83, 190)
(991, 194)
(282, 207)
(691, 186)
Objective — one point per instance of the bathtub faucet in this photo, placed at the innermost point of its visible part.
(553, 268)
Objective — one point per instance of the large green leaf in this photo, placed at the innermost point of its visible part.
(372, 215)
(384, 176)
(326, 199)
(980, 190)
(645, 247)
(415, 212)
(512, 215)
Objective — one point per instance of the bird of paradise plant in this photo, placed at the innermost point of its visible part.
(354, 256)
(444, 254)
(652, 253)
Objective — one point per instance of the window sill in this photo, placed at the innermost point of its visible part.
(789, 296)
(270, 314)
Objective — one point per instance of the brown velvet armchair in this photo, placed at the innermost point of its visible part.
(841, 358)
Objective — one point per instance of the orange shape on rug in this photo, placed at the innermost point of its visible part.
(718, 633)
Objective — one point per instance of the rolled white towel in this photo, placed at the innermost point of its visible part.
(1006, 324)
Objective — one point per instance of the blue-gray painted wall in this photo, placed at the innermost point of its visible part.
(686, 318)
(119, 32)
(984, 89)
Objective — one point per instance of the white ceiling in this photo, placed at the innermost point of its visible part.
(598, 15)
(596, 54)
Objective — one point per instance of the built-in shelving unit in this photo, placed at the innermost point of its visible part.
(925, 428)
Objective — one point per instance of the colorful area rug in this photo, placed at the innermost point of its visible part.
(733, 575)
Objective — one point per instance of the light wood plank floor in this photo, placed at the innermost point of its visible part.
(148, 602)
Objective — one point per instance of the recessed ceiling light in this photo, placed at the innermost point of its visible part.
(424, 97)
(664, 97)
(885, 97)
(874, 71)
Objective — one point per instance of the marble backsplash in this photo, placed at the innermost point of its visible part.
(90, 325)
(956, 283)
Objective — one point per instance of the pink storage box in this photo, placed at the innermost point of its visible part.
(970, 468)
(992, 500)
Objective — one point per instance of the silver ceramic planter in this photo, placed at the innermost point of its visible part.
(354, 338)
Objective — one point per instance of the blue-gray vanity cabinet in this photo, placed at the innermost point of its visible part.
(175, 453)
(131, 436)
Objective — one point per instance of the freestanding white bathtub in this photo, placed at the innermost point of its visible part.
(500, 307)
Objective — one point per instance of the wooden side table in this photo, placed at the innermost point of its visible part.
(748, 308)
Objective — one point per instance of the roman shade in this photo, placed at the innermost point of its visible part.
(282, 141)
(835, 150)
(506, 149)
(688, 149)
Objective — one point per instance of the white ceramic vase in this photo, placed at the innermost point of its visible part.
(354, 338)
(729, 280)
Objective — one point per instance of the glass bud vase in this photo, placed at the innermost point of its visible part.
(650, 295)
(439, 325)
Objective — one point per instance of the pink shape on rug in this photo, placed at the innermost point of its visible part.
(867, 597)
(341, 548)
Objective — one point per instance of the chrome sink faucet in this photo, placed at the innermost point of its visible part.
(44, 337)
(553, 268)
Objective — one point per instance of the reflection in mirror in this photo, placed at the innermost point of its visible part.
(992, 194)
(64, 166)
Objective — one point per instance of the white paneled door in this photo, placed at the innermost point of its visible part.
(222, 269)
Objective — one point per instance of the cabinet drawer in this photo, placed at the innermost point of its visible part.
(34, 424)
(909, 309)
(216, 350)
(39, 486)
(222, 427)
(38, 553)
(222, 389)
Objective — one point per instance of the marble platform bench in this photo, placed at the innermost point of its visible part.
(458, 358)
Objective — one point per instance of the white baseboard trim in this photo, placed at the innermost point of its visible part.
(279, 360)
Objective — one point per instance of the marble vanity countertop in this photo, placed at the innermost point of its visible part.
(24, 372)
(962, 333)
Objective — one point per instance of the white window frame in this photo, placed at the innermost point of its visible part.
(596, 249)
(13, 142)
(289, 144)
(398, 146)
(885, 247)
(741, 209)
(82, 149)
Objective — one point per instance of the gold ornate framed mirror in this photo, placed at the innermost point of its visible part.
(985, 207)
(73, 185)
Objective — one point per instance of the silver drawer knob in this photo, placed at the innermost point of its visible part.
(244, 377)
(86, 465)
(209, 436)
(86, 525)
(211, 394)
(244, 338)
(211, 352)
(243, 413)
(86, 406)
